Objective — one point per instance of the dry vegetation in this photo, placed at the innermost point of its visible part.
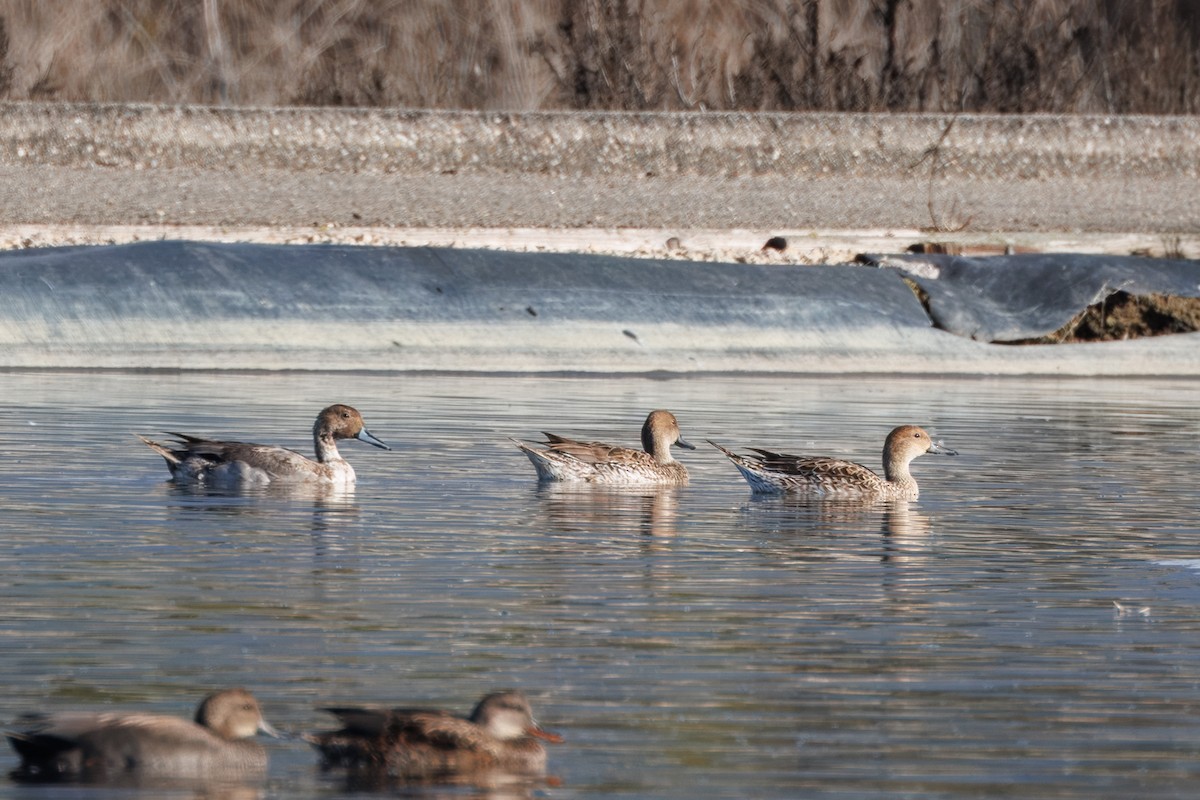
(1103, 56)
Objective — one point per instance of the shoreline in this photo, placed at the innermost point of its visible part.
(329, 307)
(736, 246)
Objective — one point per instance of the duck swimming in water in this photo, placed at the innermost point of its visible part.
(770, 472)
(194, 459)
(99, 746)
(568, 460)
(500, 735)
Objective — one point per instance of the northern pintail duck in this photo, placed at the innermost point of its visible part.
(97, 746)
(568, 460)
(199, 460)
(499, 736)
(771, 472)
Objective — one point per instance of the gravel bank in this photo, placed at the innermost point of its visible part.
(78, 173)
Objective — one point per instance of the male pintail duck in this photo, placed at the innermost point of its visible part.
(499, 736)
(567, 460)
(98, 746)
(200, 460)
(771, 472)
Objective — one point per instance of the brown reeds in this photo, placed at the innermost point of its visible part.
(1062, 56)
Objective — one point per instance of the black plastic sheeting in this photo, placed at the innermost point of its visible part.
(184, 283)
(1024, 296)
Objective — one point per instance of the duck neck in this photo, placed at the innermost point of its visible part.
(658, 447)
(325, 446)
(895, 470)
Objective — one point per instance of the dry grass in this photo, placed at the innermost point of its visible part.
(1066, 56)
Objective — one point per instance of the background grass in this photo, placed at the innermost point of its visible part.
(1067, 56)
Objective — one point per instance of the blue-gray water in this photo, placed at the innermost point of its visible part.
(691, 643)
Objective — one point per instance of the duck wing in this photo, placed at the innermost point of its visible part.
(821, 470)
(270, 458)
(443, 731)
(75, 742)
(42, 735)
(361, 720)
(412, 724)
(587, 452)
(411, 728)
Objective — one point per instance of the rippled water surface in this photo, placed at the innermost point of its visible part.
(690, 643)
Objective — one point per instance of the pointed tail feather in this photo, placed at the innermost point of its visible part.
(165, 452)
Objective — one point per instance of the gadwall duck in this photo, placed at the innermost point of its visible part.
(97, 746)
(567, 460)
(499, 736)
(199, 460)
(771, 472)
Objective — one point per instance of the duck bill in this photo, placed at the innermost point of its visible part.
(538, 733)
(270, 730)
(940, 449)
(365, 436)
(685, 445)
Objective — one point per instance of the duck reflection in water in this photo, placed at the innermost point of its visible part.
(901, 525)
(572, 508)
(329, 512)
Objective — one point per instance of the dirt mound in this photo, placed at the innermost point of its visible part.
(1127, 316)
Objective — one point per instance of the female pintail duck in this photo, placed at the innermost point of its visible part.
(500, 735)
(200, 460)
(771, 472)
(107, 745)
(567, 460)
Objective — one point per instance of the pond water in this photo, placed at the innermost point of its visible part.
(696, 642)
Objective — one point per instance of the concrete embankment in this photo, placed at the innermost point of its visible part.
(323, 307)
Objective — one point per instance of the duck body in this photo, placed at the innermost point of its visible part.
(570, 461)
(99, 746)
(195, 459)
(500, 735)
(770, 472)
